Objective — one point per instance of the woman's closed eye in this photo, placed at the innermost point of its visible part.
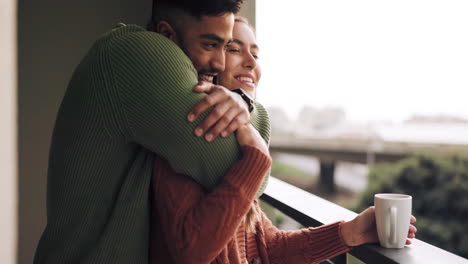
(233, 50)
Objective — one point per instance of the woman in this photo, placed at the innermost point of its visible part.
(226, 225)
(242, 69)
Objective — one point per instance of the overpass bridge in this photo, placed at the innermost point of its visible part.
(356, 150)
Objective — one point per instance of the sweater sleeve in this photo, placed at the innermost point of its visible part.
(309, 245)
(154, 80)
(198, 225)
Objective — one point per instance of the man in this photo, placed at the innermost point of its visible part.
(129, 98)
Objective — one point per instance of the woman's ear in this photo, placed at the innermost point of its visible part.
(165, 29)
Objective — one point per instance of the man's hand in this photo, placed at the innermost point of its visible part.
(363, 229)
(229, 113)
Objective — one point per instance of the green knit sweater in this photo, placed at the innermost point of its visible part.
(127, 99)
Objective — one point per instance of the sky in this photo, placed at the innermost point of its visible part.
(379, 60)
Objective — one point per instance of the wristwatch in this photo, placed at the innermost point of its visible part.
(250, 102)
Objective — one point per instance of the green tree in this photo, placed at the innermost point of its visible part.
(439, 186)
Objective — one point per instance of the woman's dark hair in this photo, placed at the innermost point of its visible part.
(196, 8)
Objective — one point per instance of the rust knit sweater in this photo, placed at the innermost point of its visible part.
(191, 226)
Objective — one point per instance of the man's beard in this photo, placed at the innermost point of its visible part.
(204, 75)
(208, 76)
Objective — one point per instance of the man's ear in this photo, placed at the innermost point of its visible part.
(165, 29)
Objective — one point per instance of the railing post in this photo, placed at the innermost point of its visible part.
(327, 176)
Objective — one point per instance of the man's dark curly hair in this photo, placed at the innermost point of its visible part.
(196, 8)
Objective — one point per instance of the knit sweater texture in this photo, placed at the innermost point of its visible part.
(208, 227)
(127, 99)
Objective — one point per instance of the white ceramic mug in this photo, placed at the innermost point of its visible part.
(392, 215)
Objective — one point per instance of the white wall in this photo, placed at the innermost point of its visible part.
(248, 11)
(8, 146)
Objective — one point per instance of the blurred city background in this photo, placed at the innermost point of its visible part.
(367, 97)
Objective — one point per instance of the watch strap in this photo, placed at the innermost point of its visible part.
(250, 102)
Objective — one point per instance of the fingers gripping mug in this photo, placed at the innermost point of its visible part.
(392, 215)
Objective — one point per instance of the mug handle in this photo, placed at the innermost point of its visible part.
(393, 224)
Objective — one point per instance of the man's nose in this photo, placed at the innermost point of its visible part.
(218, 61)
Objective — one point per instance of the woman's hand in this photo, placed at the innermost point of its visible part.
(248, 135)
(362, 229)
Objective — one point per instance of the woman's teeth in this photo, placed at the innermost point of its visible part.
(245, 79)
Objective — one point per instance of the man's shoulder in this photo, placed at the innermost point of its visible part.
(261, 112)
(135, 44)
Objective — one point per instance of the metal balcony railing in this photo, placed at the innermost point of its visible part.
(311, 210)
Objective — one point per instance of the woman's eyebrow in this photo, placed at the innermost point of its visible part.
(240, 42)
